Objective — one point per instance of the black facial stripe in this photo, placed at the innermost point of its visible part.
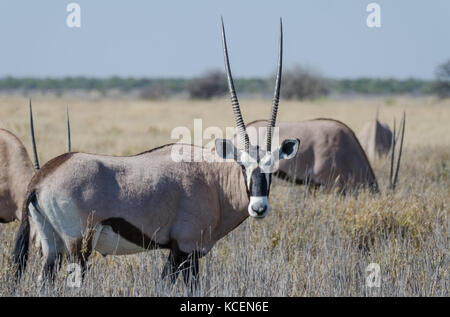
(270, 182)
(258, 183)
(257, 154)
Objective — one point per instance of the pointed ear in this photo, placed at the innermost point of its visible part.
(288, 149)
(226, 149)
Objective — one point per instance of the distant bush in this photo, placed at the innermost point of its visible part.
(296, 85)
(209, 85)
(442, 85)
(302, 83)
(154, 92)
(377, 86)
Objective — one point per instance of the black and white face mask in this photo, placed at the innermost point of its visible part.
(257, 168)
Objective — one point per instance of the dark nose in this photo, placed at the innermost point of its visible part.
(259, 208)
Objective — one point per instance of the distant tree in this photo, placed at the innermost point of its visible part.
(442, 85)
(302, 83)
(211, 84)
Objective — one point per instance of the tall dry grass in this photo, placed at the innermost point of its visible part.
(313, 243)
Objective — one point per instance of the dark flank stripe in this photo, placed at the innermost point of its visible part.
(131, 233)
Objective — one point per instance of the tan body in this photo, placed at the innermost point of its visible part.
(16, 171)
(124, 205)
(191, 203)
(376, 139)
(329, 154)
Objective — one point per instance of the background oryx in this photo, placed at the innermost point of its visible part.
(329, 155)
(375, 138)
(16, 171)
(121, 205)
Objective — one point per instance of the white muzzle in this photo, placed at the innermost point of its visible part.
(258, 206)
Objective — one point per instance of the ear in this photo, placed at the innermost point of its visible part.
(226, 149)
(288, 148)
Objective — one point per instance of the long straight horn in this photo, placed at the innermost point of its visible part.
(378, 112)
(276, 94)
(400, 151)
(68, 130)
(391, 172)
(234, 100)
(33, 140)
(398, 133)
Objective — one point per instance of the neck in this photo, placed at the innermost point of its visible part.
(233, 199)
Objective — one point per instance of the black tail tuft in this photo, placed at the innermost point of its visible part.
(20, 252)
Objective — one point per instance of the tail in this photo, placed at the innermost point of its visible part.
(20, 252)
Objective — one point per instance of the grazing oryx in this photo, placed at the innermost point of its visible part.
(16, 171)
(122, 205)
(329, 155)
(375, 138)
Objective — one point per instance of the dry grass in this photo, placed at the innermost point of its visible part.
(312, 244)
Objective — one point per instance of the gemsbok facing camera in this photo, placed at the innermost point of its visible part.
(122, 205)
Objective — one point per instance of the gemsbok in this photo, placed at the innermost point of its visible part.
(122, 205)
(329, 155)
(375, 138)
(16, 171)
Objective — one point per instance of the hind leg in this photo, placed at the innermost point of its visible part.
(81, 248)
(34, 237)
(51, 243)
(79, 251)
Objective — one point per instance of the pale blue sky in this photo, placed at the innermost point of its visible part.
(182, 38)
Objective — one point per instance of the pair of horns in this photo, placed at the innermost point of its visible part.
(33, 139)
(234, 100)
(401, 133)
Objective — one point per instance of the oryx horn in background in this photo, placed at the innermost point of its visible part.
(393, 175)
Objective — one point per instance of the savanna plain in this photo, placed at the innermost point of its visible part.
(313, 243)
